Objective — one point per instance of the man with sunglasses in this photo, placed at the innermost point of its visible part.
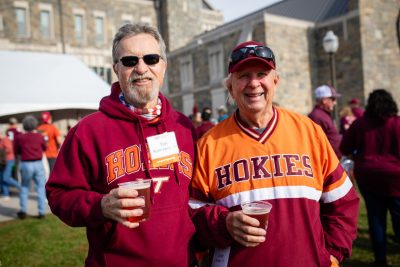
(325, 97)
(266, 153)
(135, 135)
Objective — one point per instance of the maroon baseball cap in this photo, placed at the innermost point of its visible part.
(355, 101)
(240, 56)
(46, 117)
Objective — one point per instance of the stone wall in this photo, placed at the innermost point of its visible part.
(289, 39)
(186, 19)
(380, 48)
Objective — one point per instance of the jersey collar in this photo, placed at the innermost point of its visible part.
(260, 137)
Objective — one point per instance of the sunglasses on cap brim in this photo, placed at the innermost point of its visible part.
(131, 61)
(257, 51)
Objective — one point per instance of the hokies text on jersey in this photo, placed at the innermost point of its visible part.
(263, 167)
(128, 161)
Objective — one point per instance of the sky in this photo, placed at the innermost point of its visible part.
(233, 9)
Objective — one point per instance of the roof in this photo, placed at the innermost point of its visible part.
(309, 10)
(41, 81)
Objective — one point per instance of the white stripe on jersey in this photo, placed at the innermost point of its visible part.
(279, 192)
(338, 192)
(271, 193)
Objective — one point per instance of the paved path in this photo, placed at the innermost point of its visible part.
(9, 208)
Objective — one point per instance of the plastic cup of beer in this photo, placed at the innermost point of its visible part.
(143, 188)
(259, 210)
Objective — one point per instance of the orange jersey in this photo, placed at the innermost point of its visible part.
(50, 133)
(293, 166)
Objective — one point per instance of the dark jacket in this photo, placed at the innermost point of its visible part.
(323, 119)
(376, 151)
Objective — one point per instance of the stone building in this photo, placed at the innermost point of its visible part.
(198, 50)
(368, 56)
(86, 27)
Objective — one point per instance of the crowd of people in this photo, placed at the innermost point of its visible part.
(25, 151)
(202, 169)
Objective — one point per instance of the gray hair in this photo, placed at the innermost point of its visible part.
(134, 29)
(30, 123)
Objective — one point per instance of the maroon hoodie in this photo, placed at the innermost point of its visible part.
(106, 148)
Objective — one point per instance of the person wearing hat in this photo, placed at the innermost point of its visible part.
(52, 136)
(356, 108)
(222, 113)
(13, 131)
(263, 152)
(325, 97)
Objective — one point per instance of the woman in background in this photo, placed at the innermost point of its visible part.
(374, 142)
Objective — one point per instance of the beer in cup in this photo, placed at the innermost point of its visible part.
(259, 210)
(143, 188)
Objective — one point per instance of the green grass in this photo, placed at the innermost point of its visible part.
(362, 249)
(49, 242)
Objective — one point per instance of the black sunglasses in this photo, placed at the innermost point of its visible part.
(258, 51)
(131, 61)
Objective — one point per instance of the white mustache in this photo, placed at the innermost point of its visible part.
(139, 77)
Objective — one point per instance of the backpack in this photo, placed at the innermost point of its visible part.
(3, 157)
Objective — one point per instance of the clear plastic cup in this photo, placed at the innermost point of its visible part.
(259, 210)
(143, 188)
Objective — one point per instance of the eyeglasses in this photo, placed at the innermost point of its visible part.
(258, 51)
(131, 61)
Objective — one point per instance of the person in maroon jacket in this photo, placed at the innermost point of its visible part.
(206, 122)
(29, 148)
(373, 141)
(325, 97)
(356, 108)
(123, 142)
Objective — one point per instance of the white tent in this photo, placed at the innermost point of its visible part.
(33, 82)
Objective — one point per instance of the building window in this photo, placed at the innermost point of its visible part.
(22, 27)
(186, 71)
(185, 5)
(1, 23)
(215, 64)
(45, 23)
(99, 26)
(22, 18)
(108, 75)
(46, 20)
(78, 21)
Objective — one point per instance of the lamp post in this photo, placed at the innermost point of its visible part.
(331, 45)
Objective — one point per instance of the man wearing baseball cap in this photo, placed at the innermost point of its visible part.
(356, 108)
(266, 153)
(52, 136)
(325, 97)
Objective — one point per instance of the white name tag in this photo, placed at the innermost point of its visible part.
(163, 149)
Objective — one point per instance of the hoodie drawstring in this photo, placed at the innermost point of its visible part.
(145, 158)
(176, 167)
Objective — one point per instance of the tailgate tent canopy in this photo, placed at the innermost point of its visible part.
(35, 82)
